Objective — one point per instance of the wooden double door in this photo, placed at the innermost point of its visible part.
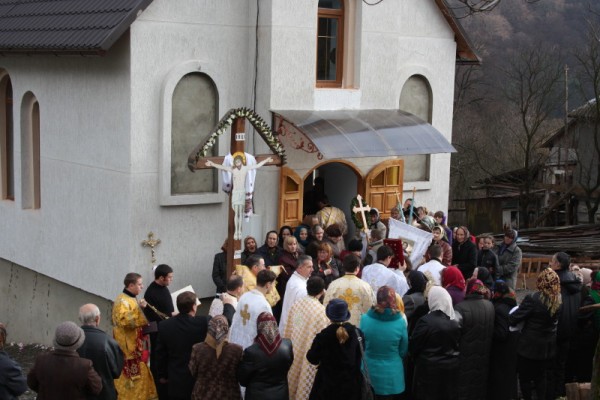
(381, 187)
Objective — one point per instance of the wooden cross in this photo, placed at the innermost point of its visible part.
(361, 209)
(152, 243)
(234, 247)
(245, 314)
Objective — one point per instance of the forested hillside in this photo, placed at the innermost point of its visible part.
(508, 105)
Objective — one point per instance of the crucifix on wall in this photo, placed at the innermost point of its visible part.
(240, 171)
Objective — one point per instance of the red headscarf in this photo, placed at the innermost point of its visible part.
(451, 276)
(268, 337)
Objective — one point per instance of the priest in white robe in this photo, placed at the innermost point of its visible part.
(296, 287)
(250, 306)
(378, 274)
(305, 319)
(353, 290)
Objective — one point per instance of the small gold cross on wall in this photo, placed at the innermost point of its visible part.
(152, 243)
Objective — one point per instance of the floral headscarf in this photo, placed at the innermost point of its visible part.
(268, 337)
(548, 284)
(218, 328)
(502, 290)
(476, 287)
(451, 276)
(386, 298)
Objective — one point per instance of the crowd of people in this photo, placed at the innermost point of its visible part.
(311, 316)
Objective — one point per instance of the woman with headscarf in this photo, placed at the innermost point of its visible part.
(301, 234)
(434, 347)
(250, 248)
(483, 274)
(265, 364)
(317, 234)
(213, 364)
(414, 297)
(454, 282)
(509, 259)
(288, 261)
(284, 232)
(464, 252)
(538, 313)
(386, 344)
(503, 358)
(269, 251)
(477, 327)
(336, 351)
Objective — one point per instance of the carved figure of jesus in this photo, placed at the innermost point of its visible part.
(238, 193)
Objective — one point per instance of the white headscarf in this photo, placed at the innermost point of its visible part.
(439, 299)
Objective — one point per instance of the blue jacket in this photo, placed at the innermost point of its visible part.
(386, 342)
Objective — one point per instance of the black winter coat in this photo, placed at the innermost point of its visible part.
(338, 375)
(107, 357)
(176, 337)
(464, 255)
(433, 346)
(570, 291)
(477, 328)
(538, 336)
(502, 384)
(265, 377)
(12, 380)
(219, 272)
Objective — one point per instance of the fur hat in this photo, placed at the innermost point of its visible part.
(337, 310)
(68, 336)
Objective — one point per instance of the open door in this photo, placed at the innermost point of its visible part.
(383, 186)
(291, 192)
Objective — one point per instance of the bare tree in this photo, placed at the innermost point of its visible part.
(532, 90)
(588, 150)
(464, 8)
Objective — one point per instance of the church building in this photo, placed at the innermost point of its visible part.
(102, 103)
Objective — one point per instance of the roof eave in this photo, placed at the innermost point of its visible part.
(465, 51)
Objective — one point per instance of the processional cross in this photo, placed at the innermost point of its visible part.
(361, 209)
(237, 195)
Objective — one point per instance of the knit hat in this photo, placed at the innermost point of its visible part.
(68, 336)
(337, 311)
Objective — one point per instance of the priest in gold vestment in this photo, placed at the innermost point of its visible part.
(255, 263)
(135, 382)
(353, 290)
(305, 319)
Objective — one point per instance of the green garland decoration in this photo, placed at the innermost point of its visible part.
(257, 122)
(357, 222)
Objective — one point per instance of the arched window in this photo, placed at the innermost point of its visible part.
(190, 111)
(30, 152)
(7, 175)
(416, 98)
(194, 116)
(330, 43)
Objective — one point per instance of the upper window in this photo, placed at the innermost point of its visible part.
(7, 180)
(330, 43)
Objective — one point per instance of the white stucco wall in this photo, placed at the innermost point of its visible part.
(101, 128)
(395, 40)
(78, 235)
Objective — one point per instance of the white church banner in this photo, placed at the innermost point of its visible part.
(414, 240)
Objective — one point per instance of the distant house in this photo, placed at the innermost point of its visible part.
(566, 176)
(101, 103)
(571, 171)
